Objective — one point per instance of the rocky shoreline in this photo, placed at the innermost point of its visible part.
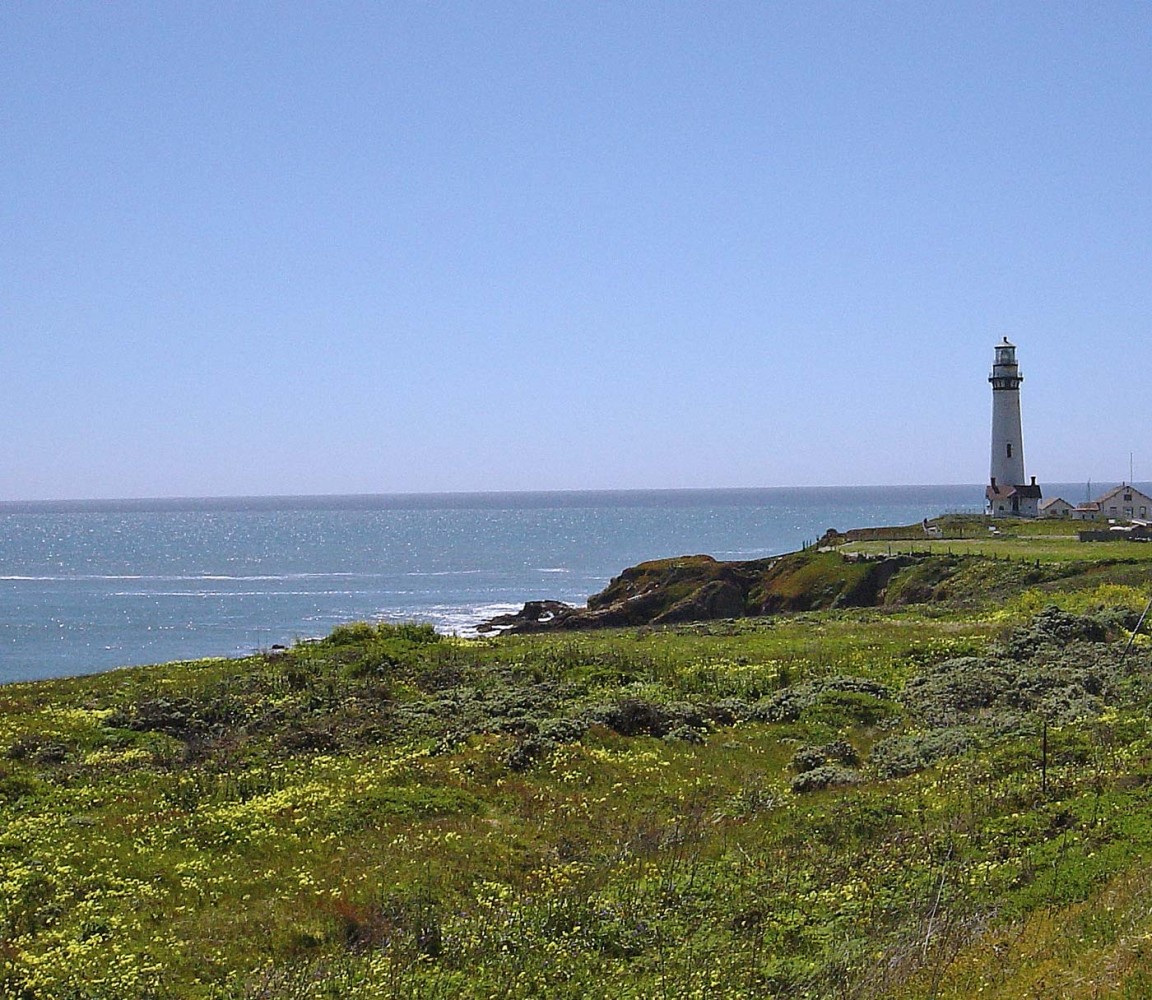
(701, 588)
(697, 588)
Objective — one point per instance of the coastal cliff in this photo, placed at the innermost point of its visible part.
(701, 588)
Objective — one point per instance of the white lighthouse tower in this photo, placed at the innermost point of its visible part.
(1008, 493)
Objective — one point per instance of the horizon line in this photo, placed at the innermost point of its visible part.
(423, 494)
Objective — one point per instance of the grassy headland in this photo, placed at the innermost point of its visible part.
(903, 800)
(1049, 541)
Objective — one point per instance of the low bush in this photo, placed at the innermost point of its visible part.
(837, 700)
(1054, 628)
(812, 756)
(636, 717)
(539, 743)
(898, 756)
(825, 776)
(956, 687)
(355, 633)
(14, 787)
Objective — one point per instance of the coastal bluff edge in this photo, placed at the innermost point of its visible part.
(696, 588)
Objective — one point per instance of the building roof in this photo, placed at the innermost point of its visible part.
(1123, 488)
(1044, 504)
(1023, 492)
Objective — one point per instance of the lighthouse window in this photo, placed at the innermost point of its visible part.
(1009, 450)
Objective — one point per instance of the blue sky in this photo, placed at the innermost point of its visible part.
(270, 248)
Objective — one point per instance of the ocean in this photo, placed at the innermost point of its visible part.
(86, 586)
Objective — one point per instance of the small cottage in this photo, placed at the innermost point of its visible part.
(1056, 507)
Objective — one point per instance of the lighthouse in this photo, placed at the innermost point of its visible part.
(1008, 493)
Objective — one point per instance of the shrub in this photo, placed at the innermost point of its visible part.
(842, 751)
(39, 750)
(378, 660)
(843, 708)
(182, 718)
(351, 633)
(957, 686)
(852, 821)
(1052, 627)
(636, 717)
(14, 787)
(537, 745)
(1061, 683)
(384, 648)
(812, 756)
(727, 712)
(901, 755)
(838, 700)
(808, 758)
(825, 776)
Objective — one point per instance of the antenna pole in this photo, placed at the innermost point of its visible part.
(1132, 637)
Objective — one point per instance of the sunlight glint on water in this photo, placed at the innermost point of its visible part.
(90, 586)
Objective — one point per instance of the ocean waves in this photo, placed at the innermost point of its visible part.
(86, 587)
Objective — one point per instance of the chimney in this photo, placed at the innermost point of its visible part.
(1033, 480)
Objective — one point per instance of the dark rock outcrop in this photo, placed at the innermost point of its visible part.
(700, 588)
(716, 599)
(535, 615)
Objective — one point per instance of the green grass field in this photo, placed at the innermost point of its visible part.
(1047, 549)
(930, 801)
(1049, 541)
